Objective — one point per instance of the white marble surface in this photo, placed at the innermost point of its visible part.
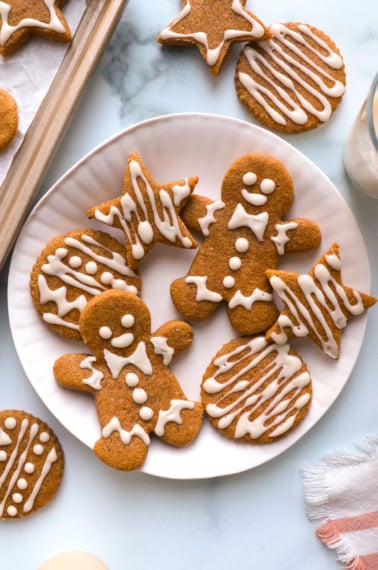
(256, 519)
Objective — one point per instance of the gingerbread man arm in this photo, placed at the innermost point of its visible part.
(77, 372)
(199, 213)
(171, 338)
(298, 234)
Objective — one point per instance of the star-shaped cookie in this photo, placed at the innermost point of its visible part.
(20, 19)
(147, 212)
(316, 304)
(212, 25)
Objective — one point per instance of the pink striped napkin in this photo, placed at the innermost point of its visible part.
(342, 491)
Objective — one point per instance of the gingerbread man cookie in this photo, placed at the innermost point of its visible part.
(244, 236)
(136, 393)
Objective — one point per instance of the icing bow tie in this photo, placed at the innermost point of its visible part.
(255, 222)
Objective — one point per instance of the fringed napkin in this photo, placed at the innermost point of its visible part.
(342, 491)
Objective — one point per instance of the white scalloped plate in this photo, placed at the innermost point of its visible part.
(173, 147)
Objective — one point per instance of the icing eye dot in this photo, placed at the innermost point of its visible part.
(146, 413)
(139, 396)
(44, 437)
(3, 456)
(75, 261)
(242, 245)
(106, 278)
(38, 449)
(29, 468)
(249, 178)
(22, 484)
(105, 332)
(131, 379)
(267, 186)
(10, 423)
(127, 321)
(17, 497)
(91, 267)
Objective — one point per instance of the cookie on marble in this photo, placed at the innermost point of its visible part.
(31, 464)
(8, 118)
(256, 391)
(213, 27)
(294, 81)
(21, 19)
(317, 304)
(73, 268)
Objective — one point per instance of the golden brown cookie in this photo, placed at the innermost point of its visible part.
(316, 304)
(293, 81)
(256, 391)
(147, 212)
(31, 464)
(8, 118)
(244, 235)
(128, 374)
(212, 27)
(71, 269)
(21, 19)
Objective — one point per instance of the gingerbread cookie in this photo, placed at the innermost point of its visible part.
(31, 464)
(293, 81)
(71, 269)
(256, 391)
(136, 393)
(244, 235)
(147, 212)
(8, 118)
(213, 27)
(20, 19)
(317, 305)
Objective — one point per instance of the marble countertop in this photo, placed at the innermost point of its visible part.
(255, 519)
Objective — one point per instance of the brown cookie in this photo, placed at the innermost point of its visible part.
(71, 269)
(128, 374)
(21, 19)
(293, 81)
(256, 391)
(31, 464)
(8, 118)
(317, 305)
(213, 27)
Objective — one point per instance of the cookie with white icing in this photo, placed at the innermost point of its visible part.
(31, 464)
(294, 81)
(317, 304)
(73, 268)
(21, 19)
(256, 391)
(244, 235)
(213, 27)
(128, 374)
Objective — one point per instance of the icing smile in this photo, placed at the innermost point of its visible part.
(253, 198)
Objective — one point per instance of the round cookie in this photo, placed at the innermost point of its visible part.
(8, 118)
(256, 391)
(292, 82)
(74, 560)
(31, 464)
(73, 268)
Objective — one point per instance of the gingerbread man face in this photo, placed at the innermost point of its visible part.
(136, 393)
(244, 236)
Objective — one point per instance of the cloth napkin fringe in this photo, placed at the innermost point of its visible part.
(331, 537)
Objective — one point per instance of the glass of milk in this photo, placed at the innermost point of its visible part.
(361, 148)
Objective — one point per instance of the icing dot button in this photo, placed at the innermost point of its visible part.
(74, 560)
(146, 413)
(242, 245)
(234, 263)
(139, 396)
(132, 379)
(228, 282)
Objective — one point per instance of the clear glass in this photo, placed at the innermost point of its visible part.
(361, 148)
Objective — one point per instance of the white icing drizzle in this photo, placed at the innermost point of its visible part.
(94, 380)
(247, 301)
(281, 239)
(292, 65)
(173, 414)
(8, 29)
(235, 377)
(133, 216)
(324, 298)
(4, 438)
(125, 436)
(213, 53)
(138, 358)
(162, 348)
(257, 223)
(50, 459)
(209, 218)
(203, 293)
